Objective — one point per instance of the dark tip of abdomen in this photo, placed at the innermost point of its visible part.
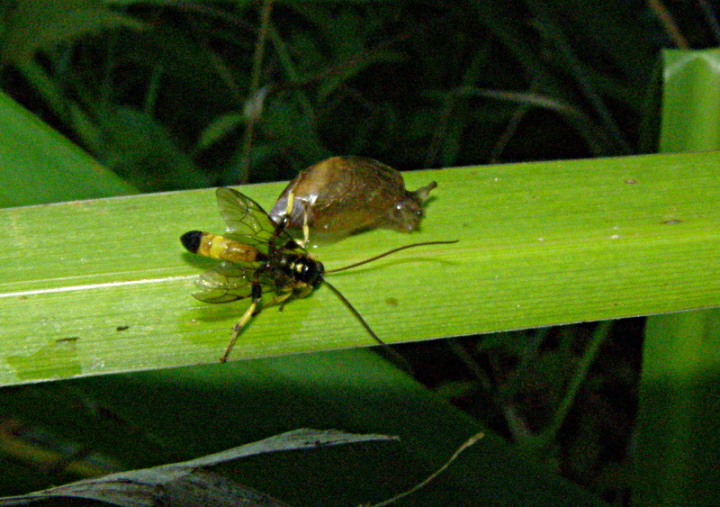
(191, 240)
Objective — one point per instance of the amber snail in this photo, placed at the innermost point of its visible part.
(343, 195)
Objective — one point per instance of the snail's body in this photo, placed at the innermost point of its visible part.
(342, 195)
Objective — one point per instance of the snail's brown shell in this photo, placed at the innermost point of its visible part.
(342, 195)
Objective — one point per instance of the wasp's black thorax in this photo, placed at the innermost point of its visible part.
(300, 269)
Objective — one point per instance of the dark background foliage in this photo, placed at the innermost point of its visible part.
(175, 95)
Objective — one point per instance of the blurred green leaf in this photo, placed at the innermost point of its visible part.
(143, 152)
(677, 430)
(38, 165)
(219, 128)
(201, 409)
(35, 26)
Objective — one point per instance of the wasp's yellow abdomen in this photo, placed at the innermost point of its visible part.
(217, 247)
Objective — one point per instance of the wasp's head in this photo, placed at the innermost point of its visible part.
(307, 270)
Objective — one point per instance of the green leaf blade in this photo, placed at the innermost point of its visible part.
(540, 244)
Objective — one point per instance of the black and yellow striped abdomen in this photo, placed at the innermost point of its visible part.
(217, 247)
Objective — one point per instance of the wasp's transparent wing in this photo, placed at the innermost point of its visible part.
(247, 222)
(224, 283)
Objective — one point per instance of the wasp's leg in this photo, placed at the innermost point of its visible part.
(306, 227)
(295, 293)
(304, 291)
(282, 299)
(252, 310)
(286, 219)
(290, 203)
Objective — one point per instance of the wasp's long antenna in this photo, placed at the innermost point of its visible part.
(371, 259)
(393, 353)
